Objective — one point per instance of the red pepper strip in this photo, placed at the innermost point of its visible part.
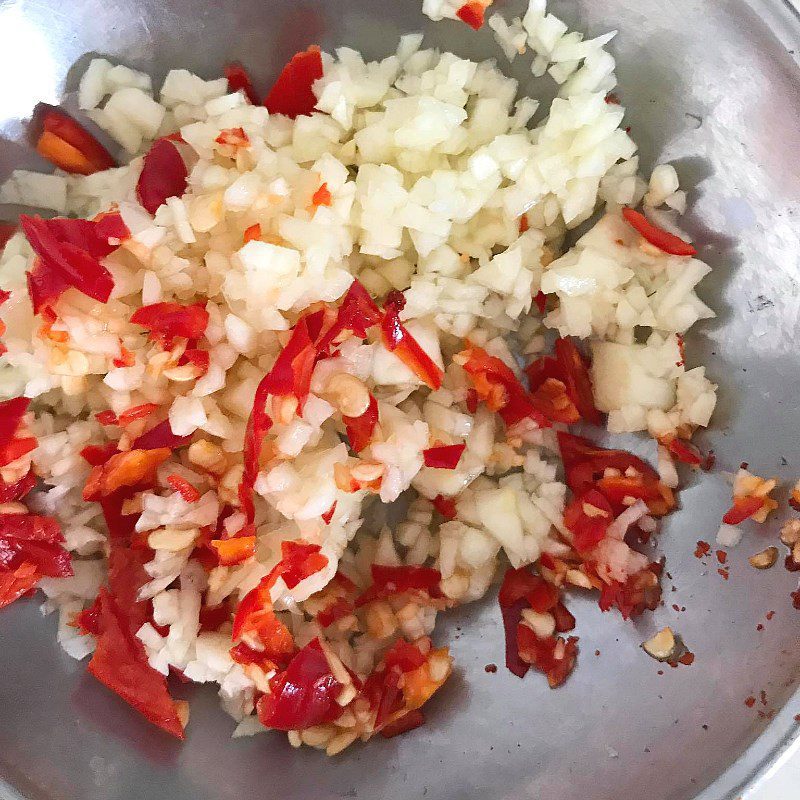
(685, 452)
(585, 462)
(565, 621)
(388, 581)
(36, 540)
(743, 508)
(258, 425)
(292, 93)
(234, 137)
(129, 468)
(97, 454)
(160, 436)
(339, 608)
(303, 695)
(4, 295)
(10, 492)
(214, 617)
(512, 614)
(522, 584)
(399, 341)
(444, 457)
(588, 516)
(408, 722)
(667, 242)
(405, 656)
(251, 233)
(360, 429)
(356, 315)
(63, 263)
(120, 663)
(234, 551)
(540, 653)
(634, 596)
(497, 385)
(659, 497)
(446, 506)
(472, 14)
(163, 175)
(185, 489)
(137, 412)
(7, 230)
(244, 654)
(552, 400)
(576, 378)
(291, 372)
(540, 298)
(322, 197)
(68, 145)
(11, 414)
(299, 560)
(168, 321)
(541, 370)
(197, 358)
(16, 583)
(328, 515)
(16, 448)
(239, 81)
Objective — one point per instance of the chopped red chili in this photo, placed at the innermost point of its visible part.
(292, 92)
(163, 175)
(443, 457)
(67, 144)
(663, 240)
(169, 321)
(239, 81)
(472, 14)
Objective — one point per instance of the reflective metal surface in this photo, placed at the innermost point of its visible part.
(712, 85)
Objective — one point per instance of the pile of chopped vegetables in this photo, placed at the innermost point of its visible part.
(278, 312)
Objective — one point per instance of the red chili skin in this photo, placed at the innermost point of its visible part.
(239, 81)
(588, 531)
(160, 436)
(356, 315)
(60, 126)
(664, 241)
(743, 508)
(388, 581)
(163, 175)
(11, 492)
(27, 538)
(11, 414)
(511, 617)
(399, 341)
(291, 94)
(303, 695)
(168, 321)
(472, 14)
(360, 429)
(446, 506)
(444, 457)
(120, 663)
(69, 253)
(576, 379)
(408, 722)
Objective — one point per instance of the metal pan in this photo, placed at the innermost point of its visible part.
(712, 85)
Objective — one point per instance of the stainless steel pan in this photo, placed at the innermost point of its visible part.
(712, 85)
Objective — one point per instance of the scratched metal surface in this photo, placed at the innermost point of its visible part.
(711, 85)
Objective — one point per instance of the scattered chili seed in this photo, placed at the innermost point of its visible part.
(722, 556)
(702, 550)
(750, 702)
(491, 668)
(725, 573)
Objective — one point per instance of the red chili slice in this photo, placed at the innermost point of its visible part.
(163, 175)
(11, 492)
(11, 414)
(97, 454)
(388, 581)
(541, 654)
(685, 452)
(339, 608)
(399, 341)
(120, 663)
(160, 436)
(292, 93)
(322, 197)
(540, 298)
(408, 722)
(17, 448)
(472, 14)
(251, 233)
(498, 386)
(356, 315)
(444, 457)
(552, 400)
(663, 240)
(576, 379)
(7, 230)
(64, 263)
(234, 551)
(17, 582)
(360, 429)
(446, 506)
(743, 508)
(233, 137)
(168, 321)
(36, 540)
(404, 655)
(303, 695)
(300, 560)
(239, 81)
(588, 516)
(512, 614)
(185, 489)
(67, 144)
(328, 515)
